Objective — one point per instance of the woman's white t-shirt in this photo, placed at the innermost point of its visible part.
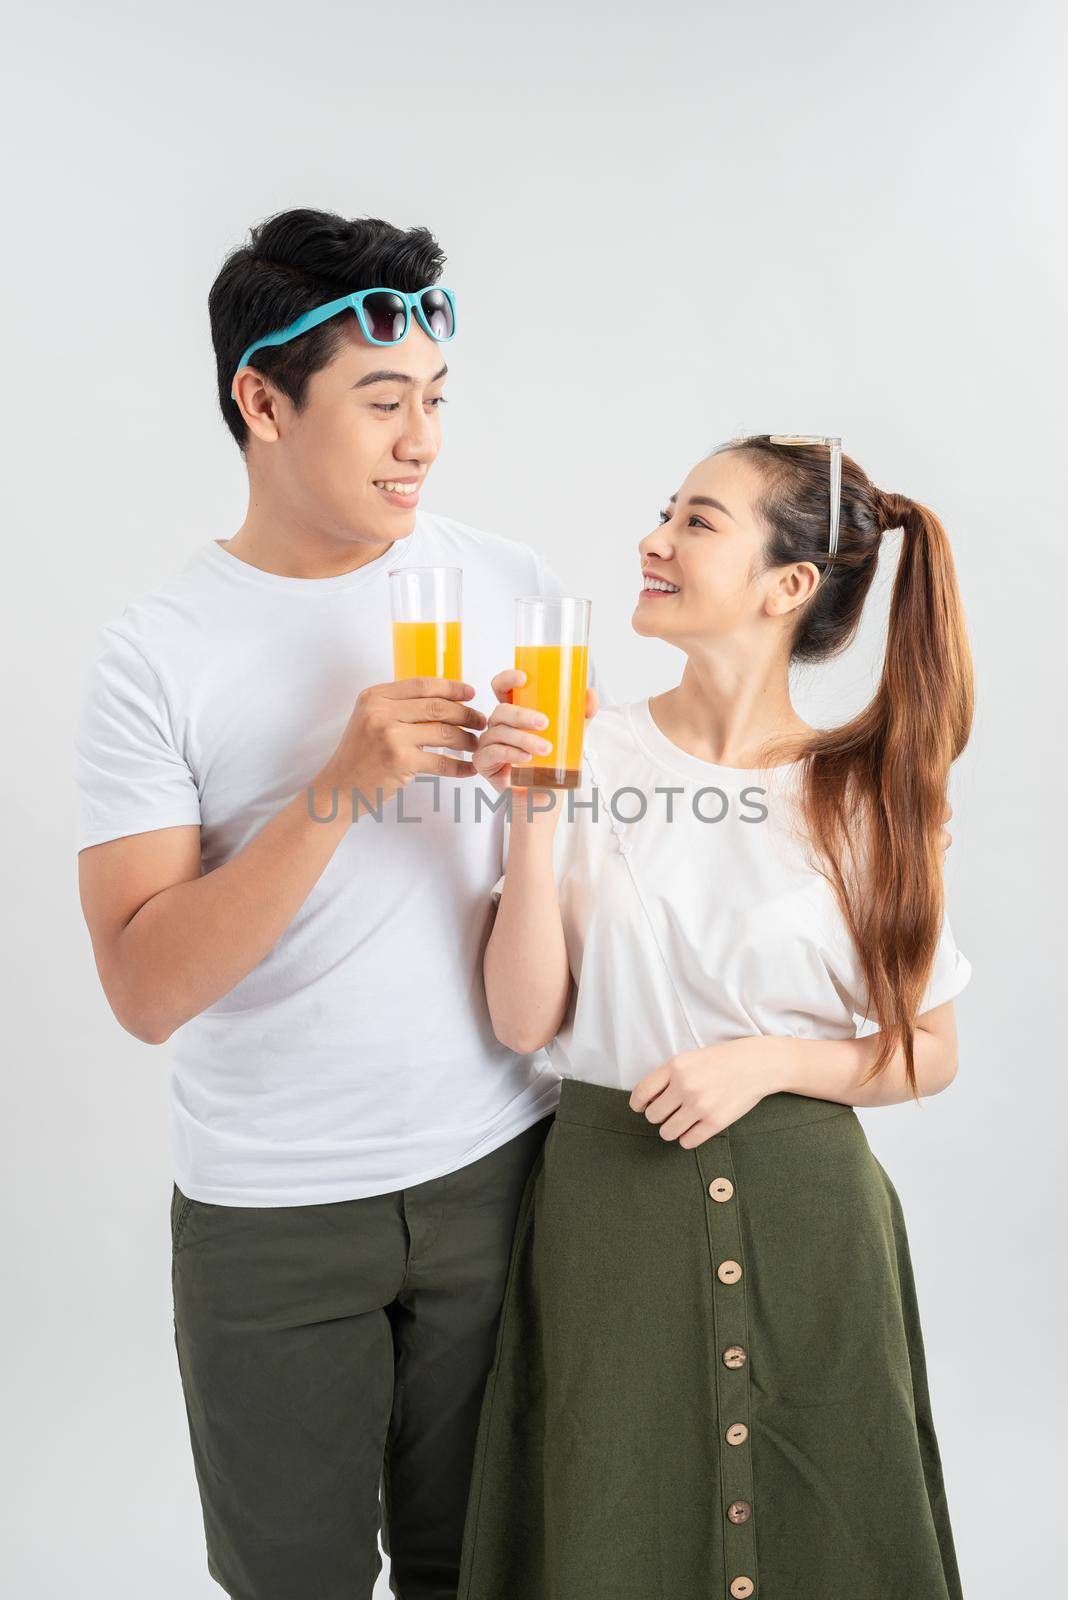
(702, 920)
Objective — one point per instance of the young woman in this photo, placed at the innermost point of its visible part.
(709, 1378)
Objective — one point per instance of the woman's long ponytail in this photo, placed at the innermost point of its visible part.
(876, 787)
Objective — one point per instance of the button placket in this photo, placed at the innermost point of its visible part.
(731, 1359)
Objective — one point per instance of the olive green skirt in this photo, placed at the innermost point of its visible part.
(709, 1377)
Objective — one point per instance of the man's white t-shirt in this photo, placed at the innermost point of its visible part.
(358, 1057)
(711, 926)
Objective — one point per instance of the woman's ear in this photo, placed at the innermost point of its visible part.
(792, 587)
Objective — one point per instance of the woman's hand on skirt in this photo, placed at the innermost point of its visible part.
(698, 1093)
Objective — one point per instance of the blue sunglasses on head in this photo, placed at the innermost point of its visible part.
(384, 315)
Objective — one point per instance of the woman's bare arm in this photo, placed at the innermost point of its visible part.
(697, 1094)
(833, 1069)
(525, 967)
(527, 976)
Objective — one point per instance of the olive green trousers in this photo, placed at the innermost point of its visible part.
(333, 1359)
(709, 1377)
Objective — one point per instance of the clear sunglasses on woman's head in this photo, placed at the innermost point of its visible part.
(384, 315)
(835, 447)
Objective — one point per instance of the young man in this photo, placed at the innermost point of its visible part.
(350, 1141)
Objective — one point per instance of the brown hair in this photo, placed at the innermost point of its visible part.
(874, 789)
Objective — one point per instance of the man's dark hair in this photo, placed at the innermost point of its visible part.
(293, 262)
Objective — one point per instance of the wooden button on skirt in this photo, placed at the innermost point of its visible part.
(654, 1428)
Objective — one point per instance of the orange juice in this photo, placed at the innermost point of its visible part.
(556, 685)
(426, 650)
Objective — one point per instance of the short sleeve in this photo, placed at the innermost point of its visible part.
(950, 973)
(129, 775)
(549, 583)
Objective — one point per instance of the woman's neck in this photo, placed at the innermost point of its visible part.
(732, 713)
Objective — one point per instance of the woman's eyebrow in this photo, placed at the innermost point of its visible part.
(704, 500)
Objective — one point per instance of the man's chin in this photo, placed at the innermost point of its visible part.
(386, 523)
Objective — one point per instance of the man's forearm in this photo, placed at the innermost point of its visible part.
(193, 942)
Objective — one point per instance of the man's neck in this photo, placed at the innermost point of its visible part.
(294, 551)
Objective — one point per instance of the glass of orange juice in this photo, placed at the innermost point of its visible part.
(552, 647)
(426, 621)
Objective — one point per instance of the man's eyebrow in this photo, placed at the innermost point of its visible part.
(393, 377)
(704, 500)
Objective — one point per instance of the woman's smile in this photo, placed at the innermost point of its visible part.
(655, 585)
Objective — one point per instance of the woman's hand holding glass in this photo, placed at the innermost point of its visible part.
(511, 737)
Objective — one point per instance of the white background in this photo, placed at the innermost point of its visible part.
(665, 225)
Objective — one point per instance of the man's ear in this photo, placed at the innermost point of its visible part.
(257, 402)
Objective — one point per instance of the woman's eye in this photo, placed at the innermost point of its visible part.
(665, 516)
(437, 401)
